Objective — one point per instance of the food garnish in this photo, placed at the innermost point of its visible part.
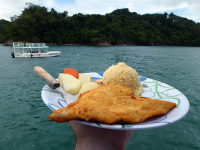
(88, 86)
(85, 78)
(69, 83)
(72, 72)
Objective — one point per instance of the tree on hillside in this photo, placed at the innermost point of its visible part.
(3, 24)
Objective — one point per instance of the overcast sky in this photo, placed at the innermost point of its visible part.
(184, 8)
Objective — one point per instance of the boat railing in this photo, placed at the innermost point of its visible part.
(35, 44)
(17, 44)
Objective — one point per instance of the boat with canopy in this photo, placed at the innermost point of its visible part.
(32, 50)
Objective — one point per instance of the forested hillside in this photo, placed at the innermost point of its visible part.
(37, 24)
(2, 24)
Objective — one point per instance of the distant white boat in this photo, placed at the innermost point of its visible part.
(32, 50)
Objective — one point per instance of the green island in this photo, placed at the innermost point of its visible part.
(120, 27)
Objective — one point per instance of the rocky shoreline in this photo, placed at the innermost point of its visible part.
(104, 43)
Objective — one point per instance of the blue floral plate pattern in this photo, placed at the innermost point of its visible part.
(152, 89)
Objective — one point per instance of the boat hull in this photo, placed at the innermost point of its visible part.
(36, 55)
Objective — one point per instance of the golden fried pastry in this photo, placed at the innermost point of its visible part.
(112, 104)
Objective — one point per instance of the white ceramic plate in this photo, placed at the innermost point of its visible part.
(152, 89)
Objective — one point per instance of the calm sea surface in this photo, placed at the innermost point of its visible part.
(23, 122)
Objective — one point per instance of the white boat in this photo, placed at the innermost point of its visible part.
(32, 50)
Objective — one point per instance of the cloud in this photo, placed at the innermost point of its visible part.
(111, 9)
(167, 3)
(191, 9)
(10, 8)
(192, 6)
(49, 3)
(130, 7)
(101, 7)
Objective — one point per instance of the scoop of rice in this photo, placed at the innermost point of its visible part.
(121, 74)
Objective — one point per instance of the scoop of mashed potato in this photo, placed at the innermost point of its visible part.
(121, 74)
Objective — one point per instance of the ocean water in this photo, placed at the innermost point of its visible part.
(23, 115)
